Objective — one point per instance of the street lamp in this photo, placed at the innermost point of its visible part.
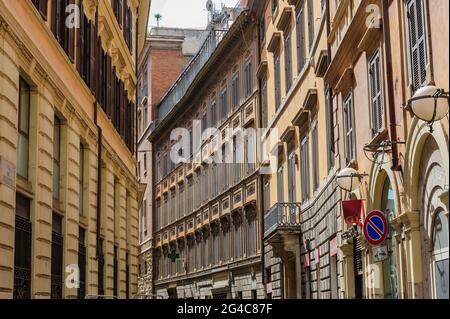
(429, 104)
(349, 179)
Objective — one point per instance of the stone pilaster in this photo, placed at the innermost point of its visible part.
(92, 266)
(107, 227)
(132, 208)
(9, 99)
(121, 214)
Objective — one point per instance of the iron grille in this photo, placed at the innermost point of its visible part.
(22, 259)
(57, 266)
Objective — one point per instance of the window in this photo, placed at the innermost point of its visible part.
(64, 35)
(315, 153)
(266, 194)
(235, 91)
(57, 258)
(82, 262)
(190, 197)
(81, 181)
(172, 206)
(304, 167)
(224, 164)
(417, 43)
(118, 10)
(197, 190)
(22, 249)
(223, 104)
(41, 5)
(330, 127)
(226, 241)
(145, 165)
(181, 201)
(204, 123)
(166, 210)
(375, 93)
(250, 151)
(127, 275)
(274, 6)
(128, 30)
(158, 215)
(214, 180)
(205, 184)
(291, 177)
(348, 127)
(300, 26)
(101, 269)
(288, 59)
(190, 254)
(198, 253)
(205, 250)
(215, 244)
(165, 166)
(237, 237)
(24, 129)
(311, 21)
(262, 30)
(251, 233)
(277, 80)
(440, 269)
(236, 160)
(144, 216)
(213, 114)
(56, 156)
(248, 78)
(264, 102)
(158, 171)
(280, 186)
(115, 271)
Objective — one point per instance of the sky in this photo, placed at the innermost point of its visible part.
(183, 13)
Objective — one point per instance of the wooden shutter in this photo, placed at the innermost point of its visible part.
(417, 43)
(109, 74)
(93, 57)
(277, 81)
(310, 23)
(300, 39)
(43, 8)
(287, 58)
(71, 39)
(80, 40)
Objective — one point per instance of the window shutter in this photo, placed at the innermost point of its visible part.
(300, 39)
(71, 39)
(93, 57)
(43, 8)
(287, 57)
(80, 41)
(417, 43)
(310, 23)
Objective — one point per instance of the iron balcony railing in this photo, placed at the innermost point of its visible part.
(184, 81)
(282, 216)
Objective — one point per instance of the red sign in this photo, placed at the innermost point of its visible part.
(352, 211)
(333, 247)
(306, 260)
(269, 288)
(375, 228)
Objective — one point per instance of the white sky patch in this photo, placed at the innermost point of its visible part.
(183, 13)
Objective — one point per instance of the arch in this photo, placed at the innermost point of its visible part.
(416, 140)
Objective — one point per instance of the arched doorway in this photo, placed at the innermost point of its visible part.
(433, 222)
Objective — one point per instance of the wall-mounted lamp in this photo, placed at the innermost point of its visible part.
(429, 104)
(349, 179)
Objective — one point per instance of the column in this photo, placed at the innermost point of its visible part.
(413, 254)
(132, 209)
(121, 214)
(107, 226)
(348, 271)
(9, 99)
(71, 205)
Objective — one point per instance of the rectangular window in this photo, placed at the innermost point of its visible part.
(198, 253)
(197, 190)
(127, 275)
(214, 180)
(315, 153)
(274, 6)
(57, 258)
(376, 93)
(266, 194)
(291, 178)
(226, 243)
(215, 245)
(262, 30)
(223, 104)
(280, 184)
(300, 26)
(236, 160)
(304, 167)
(190, 196)
(191, 245)
(41, 5)
(248, 78)
(250, 152)
(158, 171)
(277, 72)
(181, 201)
(158, 215)
(348, 127)
(22, 249)
(145, 164)
(205, 184)
(144, 216)
(82, 262)
(56, 156)
(213, 114)
(24, 129)
(166, 210)
(172, 206)
(115, 272)
(165, 166)
(417, 43)
(118, 10)
(64, 35)
(251, 234)
(235, 91)
(81, 181)
(330, 127)
(237, 226)
(311, 22)
(225, 165)
(264, 103)
(288, 59)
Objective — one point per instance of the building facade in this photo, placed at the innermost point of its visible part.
(68, 184)
(206, 214)
(383, 52)
(302, 202)
(167, 51)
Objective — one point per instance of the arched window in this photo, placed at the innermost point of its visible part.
(440, 256)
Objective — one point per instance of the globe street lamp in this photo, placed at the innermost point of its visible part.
(429, 104)
(349, 179)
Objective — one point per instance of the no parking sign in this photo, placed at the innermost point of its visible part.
(375, 228)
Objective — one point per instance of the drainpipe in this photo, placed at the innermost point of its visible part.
(390, 88)
(261, 177)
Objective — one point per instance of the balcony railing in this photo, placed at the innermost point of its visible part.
(184, 81)
(282, 216)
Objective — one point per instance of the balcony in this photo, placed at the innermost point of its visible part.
(282, 218)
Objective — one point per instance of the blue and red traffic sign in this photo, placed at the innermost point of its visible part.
(375, 228)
